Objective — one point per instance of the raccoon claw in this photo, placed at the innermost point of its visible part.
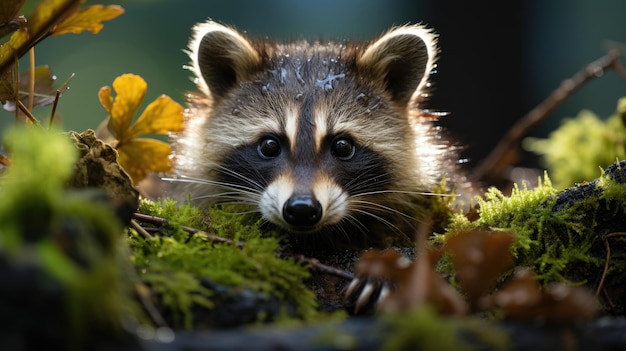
(363, 296)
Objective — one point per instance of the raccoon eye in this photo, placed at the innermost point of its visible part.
(342, 148)
(268, 147)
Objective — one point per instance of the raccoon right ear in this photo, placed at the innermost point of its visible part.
(221, 57)
(402, 60)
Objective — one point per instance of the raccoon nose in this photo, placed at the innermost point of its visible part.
(302, 210)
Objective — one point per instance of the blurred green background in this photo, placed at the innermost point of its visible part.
(497, 61)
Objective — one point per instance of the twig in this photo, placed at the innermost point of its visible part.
(26, 111)
(311, 262)
(5, 161)
(607, 260)
(31, 79)
(162, 221)
(148, 306)
(54, 107)
(492, 165)
(140, 229)
(322, 268)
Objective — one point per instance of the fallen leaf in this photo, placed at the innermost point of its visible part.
(523, 298)
(479, 258)
(417, 283)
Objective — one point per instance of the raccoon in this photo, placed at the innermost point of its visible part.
(326, 140)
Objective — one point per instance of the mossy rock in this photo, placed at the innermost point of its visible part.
(563, 236)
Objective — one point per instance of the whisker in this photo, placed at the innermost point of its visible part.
(201, 181)
(245, 179)
(380, 219)
(355, 223)
(244, 194)
(374, 205)
(356, 184)
(391, 191)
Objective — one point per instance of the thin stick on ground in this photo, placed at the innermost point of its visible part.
(607, 259)
(310, 262)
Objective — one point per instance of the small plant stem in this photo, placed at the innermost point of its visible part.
(27, 112)
(54, 107)
(31, 79)
(607, 261)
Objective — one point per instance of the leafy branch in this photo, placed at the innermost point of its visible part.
(35, 87)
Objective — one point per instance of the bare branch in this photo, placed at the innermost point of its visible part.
(494, 164)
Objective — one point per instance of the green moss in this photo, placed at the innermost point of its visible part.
(172, 263)
(423, 329)
(561, 243)
(68, 240)
(574, 151)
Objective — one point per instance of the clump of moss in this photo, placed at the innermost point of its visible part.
(175, 262)
(424, 329)
(573, 152)
(561, 239)
(61, 247)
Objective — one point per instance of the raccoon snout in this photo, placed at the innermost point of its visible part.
(302, 210)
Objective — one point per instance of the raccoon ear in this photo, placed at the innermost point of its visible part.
(221, 57)
(402, 59)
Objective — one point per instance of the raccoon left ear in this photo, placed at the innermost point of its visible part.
(221, 57)
(402, 59)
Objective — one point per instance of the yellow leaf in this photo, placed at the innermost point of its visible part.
(163, 115)
(139, 157)
(10, 49)
(46, 15)
(49, 13)
(89, 19)
(130, 90)
(106, 99)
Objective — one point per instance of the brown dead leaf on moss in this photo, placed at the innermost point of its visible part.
(524, 298)
(416, 283)
(479, 258)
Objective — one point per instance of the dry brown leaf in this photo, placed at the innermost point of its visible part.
(523, 298)
(479, 258)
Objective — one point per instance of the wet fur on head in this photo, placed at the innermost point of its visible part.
(313, 99)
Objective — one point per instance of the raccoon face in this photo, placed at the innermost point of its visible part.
(318, 137)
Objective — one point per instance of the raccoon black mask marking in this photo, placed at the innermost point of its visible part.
(325, 140)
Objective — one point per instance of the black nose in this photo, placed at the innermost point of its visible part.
(302, 210)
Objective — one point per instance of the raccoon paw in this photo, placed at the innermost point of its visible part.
(364, 295)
